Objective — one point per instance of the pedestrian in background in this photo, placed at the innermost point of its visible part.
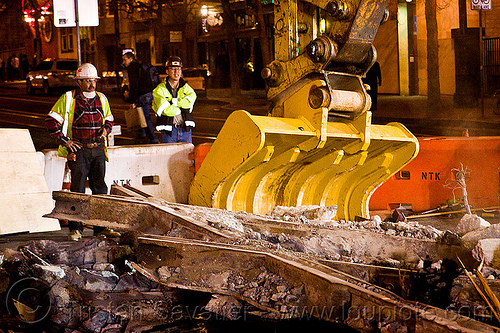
(15, 68)
(373, 79)
(173, 102)
(25, 66)
(2, 70)
(140, 92)
(9, 68)
(80, 121)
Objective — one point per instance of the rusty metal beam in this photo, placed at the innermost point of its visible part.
(205, 265)
(155, 216)
(125, 213)
(328, 294)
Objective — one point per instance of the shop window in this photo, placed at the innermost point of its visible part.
(66, 39)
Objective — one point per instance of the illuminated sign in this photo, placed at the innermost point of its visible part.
(480, 4)
(64, 13)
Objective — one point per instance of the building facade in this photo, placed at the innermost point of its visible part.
(196, 31)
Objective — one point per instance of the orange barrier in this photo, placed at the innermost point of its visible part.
(198, 155)
(421, 183)
(66, 178)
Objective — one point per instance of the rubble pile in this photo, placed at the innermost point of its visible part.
(438, 284)
(319, 236)
(267, 289)
(305, 214)
(100, 284)
(59, 285)
(466, 300)
(318, 243)
(80, 282)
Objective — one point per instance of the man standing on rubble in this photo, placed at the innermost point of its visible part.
(140, 92)
(80, 121)
(173, 102)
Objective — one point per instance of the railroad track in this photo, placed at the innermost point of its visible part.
(220, 259)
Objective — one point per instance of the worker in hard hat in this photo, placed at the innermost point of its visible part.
(140, 86)
(173, 102)
(80, 121)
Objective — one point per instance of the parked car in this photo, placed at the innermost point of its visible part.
(197, 78)
(52, 74)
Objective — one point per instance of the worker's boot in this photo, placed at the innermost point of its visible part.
(74, 235)
(108, 232)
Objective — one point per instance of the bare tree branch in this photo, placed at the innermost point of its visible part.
(459, 183)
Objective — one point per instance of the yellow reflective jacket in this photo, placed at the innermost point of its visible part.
(64, 110)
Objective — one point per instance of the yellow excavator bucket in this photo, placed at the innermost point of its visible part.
(259, 162)
(318, 145)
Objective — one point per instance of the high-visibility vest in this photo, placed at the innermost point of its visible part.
(64, 110)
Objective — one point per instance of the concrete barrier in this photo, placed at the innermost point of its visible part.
(24, 196)
(161, 170)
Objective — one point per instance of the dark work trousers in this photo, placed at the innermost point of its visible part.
(373, 92)
(145, 102)
(91, 164)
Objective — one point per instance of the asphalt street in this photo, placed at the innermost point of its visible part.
(20, 110)
(446, 119)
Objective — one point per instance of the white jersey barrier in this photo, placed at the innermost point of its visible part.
(24, 197)
(161, 170)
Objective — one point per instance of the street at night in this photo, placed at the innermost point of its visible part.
(20, 110)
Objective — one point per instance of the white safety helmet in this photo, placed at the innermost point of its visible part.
(86, 71)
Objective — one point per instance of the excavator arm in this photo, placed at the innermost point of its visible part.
(317, 146)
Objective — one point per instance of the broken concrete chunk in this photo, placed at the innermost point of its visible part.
(96, 282)
(50, 273)
(432, 232)
(103, 266)
(470, 239)
(134, 282)
(47, 250)
(226, 306)
(118, 252)
(99, 320)
(471, 222)
(373, 223)
(489, 250)
(313, 213)
(164, 273)
(219, 281)
(109, 274)
(227, 223)
(450, 238)
(89, 257)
